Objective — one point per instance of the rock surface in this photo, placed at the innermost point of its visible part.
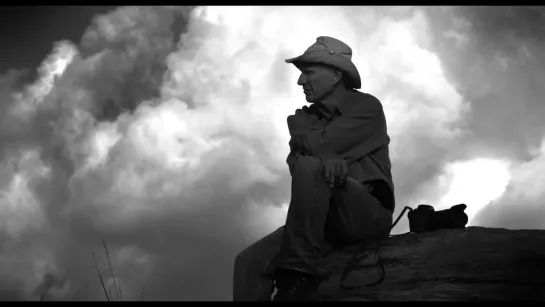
(472, 264)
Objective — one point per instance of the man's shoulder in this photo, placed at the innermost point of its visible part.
(365, 101)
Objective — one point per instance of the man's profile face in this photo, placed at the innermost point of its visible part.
(317, 81)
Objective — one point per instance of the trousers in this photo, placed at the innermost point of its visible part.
(320, 219)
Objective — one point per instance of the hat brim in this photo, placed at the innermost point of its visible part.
(336, 61)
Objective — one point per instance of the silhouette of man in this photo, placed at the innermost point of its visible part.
(342, 189)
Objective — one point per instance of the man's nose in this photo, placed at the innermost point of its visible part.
(302, 80)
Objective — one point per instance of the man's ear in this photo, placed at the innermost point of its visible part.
(337, 76)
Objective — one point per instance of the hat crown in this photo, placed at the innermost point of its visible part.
(330, 51)
(331, 45)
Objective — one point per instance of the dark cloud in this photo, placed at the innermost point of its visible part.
(27, 32)
(499, 69)
(131, 46)
(505, 28)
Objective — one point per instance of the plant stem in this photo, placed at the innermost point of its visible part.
(100, 277)
(111, 269)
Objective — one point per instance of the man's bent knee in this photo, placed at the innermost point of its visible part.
(263, 250)
(248, 254)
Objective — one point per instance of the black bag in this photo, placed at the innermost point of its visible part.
(425, 218)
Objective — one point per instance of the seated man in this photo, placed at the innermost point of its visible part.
(342, 190)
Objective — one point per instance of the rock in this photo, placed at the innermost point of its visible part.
(473, 264)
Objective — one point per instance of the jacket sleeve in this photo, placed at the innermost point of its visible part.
(303, 119)
(355, 134)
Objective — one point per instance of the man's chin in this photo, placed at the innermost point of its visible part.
(311, 99)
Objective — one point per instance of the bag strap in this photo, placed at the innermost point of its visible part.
(353, 263)
(401, 215)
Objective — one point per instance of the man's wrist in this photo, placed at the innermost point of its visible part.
(297, 141)
(299, 132)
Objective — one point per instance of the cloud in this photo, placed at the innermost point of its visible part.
(164, 132)
(521, 207)
(499, 70)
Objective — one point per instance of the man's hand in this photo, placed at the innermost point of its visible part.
(302, 119)
(335, 171)
(297, 122)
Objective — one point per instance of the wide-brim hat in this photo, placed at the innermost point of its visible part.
(330, 51)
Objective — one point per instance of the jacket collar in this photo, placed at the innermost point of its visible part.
(345, 102)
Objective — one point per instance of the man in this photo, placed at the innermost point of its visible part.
(342, 189)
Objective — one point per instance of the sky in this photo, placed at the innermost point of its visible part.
(163, 131)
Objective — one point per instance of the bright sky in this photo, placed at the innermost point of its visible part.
(475, 183)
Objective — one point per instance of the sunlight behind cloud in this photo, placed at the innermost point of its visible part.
(475, 183)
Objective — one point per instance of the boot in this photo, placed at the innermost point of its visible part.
(294, 285)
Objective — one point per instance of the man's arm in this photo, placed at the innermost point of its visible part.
(351, 136)
(302, 120)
